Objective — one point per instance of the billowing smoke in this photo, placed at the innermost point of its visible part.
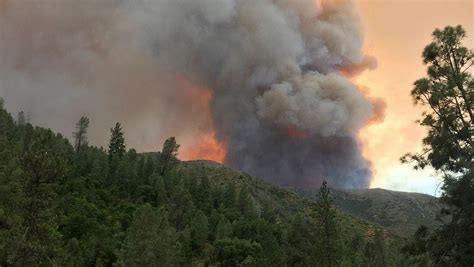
(265, 80)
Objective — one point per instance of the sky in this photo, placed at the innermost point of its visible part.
(396, 33)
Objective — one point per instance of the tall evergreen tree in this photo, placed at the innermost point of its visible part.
(43, 164)
(80, 135)
(448, 94)
(168, 156)
(117, 141)
(326, 215)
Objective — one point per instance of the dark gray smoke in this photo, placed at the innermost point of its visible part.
(274, 68)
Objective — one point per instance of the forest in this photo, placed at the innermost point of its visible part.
(79, 205)
(69, 203)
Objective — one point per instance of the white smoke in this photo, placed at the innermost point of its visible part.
(271, 65)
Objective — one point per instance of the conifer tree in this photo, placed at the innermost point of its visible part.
(168, 156)
(117, 141)
(43, 163)
(328, 228)
(80, 135)
(447, 92)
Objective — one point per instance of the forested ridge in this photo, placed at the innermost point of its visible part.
(399, 212)
(80, 205)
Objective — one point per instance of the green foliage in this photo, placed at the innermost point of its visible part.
(168, 156)
(150, 241)
(329, 238)
(200, 231)
(448, 93)
(117, 141)
(231, 252)
(79, 205)
(400, 212)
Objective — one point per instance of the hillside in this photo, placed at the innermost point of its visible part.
(265, 194)
(401, 212)
(79, 205)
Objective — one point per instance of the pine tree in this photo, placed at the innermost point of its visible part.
(117, 141)
(168, 156)
(44, 164)
(80, 135)
(447, 92)
(328, 228)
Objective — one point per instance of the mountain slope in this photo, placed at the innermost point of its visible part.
(401, 212)
(89, 207)
(266, 195)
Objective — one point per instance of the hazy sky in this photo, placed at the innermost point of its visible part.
(396, 33)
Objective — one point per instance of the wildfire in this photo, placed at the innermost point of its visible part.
(204, 145)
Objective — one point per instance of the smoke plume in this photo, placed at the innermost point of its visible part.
(261, 85)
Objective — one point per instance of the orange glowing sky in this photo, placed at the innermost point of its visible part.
(396, 31)
(203, 144)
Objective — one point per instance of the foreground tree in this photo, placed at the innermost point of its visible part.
(43, 164)
(448, 94)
